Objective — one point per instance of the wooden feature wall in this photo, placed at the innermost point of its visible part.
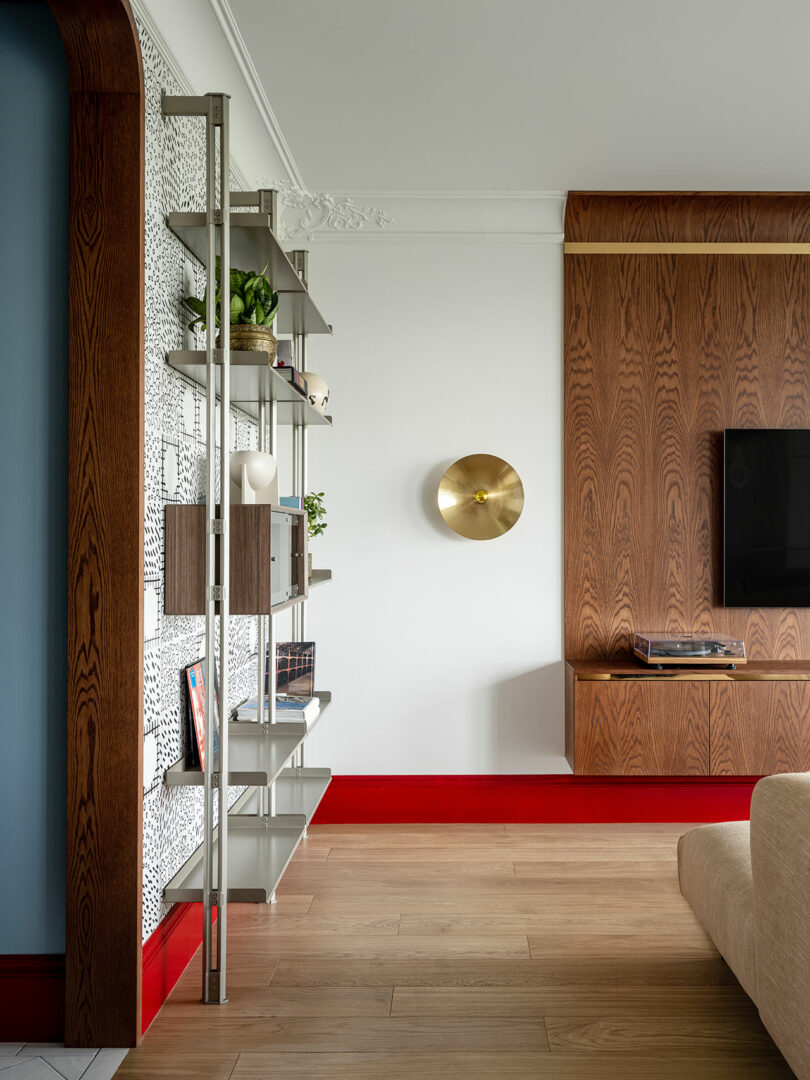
(664, 348)
(105, 525)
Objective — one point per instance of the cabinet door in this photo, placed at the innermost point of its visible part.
(759, 728)
(641, 728)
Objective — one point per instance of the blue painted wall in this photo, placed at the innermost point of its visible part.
(33, 477)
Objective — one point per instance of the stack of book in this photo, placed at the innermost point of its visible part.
(294, 377)
(289, 708)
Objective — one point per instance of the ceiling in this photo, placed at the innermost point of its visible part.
(537, 94)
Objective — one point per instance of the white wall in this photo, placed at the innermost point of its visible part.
(443, 654)
(199, 53)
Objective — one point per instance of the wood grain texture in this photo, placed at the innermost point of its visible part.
(524, 1001)
(662, 352)
(683, 217)
(566, 971)
(671, 1035)
(626, 992)
(760, 728)
(570, 684)
(483, 1066)
(105, 525)
(250, 559)
(588, 669)
(641, 729)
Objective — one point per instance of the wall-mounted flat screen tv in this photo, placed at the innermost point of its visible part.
(766, 531)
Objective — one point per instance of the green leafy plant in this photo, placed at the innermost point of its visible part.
(313, 504)
(253, 301)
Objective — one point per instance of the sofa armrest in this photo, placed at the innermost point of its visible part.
(780, 865)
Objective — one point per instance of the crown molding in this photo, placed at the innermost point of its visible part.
(450, 194)
(184, 84)
(450, 236)
(312, 212)
(236, 42)
(453, 216)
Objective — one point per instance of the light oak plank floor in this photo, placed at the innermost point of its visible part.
(562, 952)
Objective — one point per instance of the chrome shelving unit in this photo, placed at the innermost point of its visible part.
(243, 855)
(253, 382)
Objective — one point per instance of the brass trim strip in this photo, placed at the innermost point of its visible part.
(666, 248)
(696, 676)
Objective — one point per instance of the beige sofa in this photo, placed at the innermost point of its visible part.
(750, 889)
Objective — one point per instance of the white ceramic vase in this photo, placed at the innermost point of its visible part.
(317, 391)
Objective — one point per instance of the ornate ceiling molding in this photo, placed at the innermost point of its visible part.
(319, 211)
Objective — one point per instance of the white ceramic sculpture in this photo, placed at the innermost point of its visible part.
(254, 477)
(317, 391)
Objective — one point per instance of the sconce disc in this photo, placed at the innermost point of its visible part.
(480, 496)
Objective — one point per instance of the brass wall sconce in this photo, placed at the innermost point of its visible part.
(480, 496)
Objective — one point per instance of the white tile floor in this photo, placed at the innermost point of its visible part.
(53, 1061)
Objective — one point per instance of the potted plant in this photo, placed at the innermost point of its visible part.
(316, 512)
(253, 310)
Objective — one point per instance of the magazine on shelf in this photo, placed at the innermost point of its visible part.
(195, 696)
(288, 709)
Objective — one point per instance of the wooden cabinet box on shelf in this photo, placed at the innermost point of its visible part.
(254, 584)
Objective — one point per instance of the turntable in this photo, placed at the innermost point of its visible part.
(663, 649)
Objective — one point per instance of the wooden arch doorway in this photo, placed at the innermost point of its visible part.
(105, 524)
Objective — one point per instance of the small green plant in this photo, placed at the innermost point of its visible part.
(253, 301)
(313, 504)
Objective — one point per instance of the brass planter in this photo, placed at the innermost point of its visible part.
(248, 338)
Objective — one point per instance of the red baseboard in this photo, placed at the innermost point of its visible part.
(554, 799)
(32, 990)
(166, 955)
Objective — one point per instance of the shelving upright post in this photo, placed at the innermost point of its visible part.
(215, 109)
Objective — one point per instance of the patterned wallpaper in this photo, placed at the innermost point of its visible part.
(174, 472)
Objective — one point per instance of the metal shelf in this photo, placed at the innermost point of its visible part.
(320, 577)
(252, 380)
(257, 754)
(253, 244)
(259, 850)
(298, 791)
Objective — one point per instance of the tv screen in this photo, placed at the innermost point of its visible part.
(766, 531)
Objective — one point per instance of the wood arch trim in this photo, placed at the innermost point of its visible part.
(105, 523)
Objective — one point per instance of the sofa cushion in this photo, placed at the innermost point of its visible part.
(780, 858)
(714, 867)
